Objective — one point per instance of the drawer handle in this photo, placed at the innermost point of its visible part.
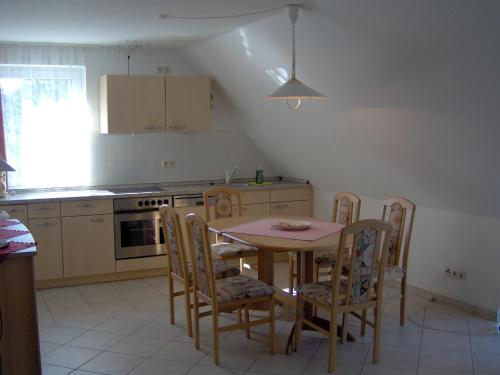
(16, 210)
(43, 208)
(99, 220)
(280, 206)
(46, 224)
(177, 127)
(84, 205)
(153, 127)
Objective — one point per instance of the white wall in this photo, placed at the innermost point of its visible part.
(135, 159)
(413, 89)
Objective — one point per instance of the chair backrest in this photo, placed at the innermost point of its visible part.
(201, 255)
(174, 243)
(346, 208)
(367, 262)
(399, 212)
(222, 201)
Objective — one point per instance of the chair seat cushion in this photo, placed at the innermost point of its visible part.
(394, 273)
(221, 269)
(241, 287)
(233, 250)
(322, 291)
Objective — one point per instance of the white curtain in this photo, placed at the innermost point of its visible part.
(47, 132)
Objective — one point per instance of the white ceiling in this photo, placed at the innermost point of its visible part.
(122, 22)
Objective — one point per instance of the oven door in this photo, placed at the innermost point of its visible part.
(138, 235)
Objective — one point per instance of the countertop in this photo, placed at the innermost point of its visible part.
(150, 190)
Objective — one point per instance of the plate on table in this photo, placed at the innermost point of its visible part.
(4, 243)
(289, 224)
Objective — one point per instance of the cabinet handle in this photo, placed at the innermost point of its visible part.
(99, 220)
(46, 224)
(84, 205)
(280, 206)
(153, 127)
(16, 210)
(43, 208)
(177, 127)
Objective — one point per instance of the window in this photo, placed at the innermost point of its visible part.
(47, 133)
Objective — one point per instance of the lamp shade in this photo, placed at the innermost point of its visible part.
(295, 89)
(5, 167)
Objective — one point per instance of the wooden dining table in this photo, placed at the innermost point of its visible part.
(267, 246)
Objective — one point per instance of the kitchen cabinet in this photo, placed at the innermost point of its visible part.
(16, 211)
(154, 104)
(187, 103)
(295, 208)
(132, 104)
(49, 259)
(257, 209)
(88, 245)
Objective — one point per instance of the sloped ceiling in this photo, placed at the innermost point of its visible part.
(413, 103)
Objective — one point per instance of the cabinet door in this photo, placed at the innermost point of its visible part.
(88, 245)
(295, 208)
(16, 211)
(49, 258)
(187, 105)
(183, 211)
(132, 104)
(259, 209)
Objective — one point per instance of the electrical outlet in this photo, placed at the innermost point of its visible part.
(172, 164)
(168, 163)
(163, 70)
(456, 274)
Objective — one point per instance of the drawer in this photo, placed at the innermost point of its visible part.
(16, 211)
(44, 210)
(287, 195)
(87, 207)
(251, 197)
(294, 208)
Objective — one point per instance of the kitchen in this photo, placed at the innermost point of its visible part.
(99, 167)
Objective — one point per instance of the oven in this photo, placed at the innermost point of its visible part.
(138, 231)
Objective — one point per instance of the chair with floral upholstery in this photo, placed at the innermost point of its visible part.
(346, 210)
(218, 204)
(227, 294)
(400, 213)
(178, 266)
(359, 286)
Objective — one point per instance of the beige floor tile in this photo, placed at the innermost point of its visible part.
(233, 358)
(47, 347)
(68, 356)
(181, 351)
(397, 356)
(292, 364)
(348, 353)
(212, 370)
(440, 371)
(320, 367)
(165, 332)
(486, 344)
(55, 370)
(448, 359)
(120, 325)
(399, 337)
(157, 366)
(113, 363)
(379, 369)
(486, 363)
(458, 326)
(447, 341)
(59, 334)
(141, 346)
(96, 340)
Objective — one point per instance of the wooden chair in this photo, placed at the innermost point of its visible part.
(238, 292)
(346, 210)
(178, 266)
(359, 286)
(400, 213)
(221, 200)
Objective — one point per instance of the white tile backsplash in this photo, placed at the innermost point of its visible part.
(134, 159)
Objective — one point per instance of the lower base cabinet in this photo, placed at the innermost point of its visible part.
(49, 258)
(88, 245)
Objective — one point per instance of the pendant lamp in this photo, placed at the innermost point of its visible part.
(294, 89)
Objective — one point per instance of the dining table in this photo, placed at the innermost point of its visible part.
(259, 232)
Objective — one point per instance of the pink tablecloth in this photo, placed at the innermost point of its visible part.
(318, 229)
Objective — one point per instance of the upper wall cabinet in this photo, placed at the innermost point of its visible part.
(148, 104)
(132, 104)
(187, 105)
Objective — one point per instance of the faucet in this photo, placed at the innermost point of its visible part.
(230, 174)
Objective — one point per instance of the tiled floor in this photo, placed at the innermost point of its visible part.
(123, 328)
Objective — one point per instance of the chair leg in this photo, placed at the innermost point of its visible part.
(215, 329)
(171, 297)
(298, 322)
(332, 344)
(402, 306)
(272, 328)
(247, 320)
(376, 338)
(187, 302)
(291, 268)
(242, 265)
(345, 319)
(196, 321)
(362, 331)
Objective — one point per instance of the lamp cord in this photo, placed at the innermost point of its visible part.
(293, 49)
(167, 16)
